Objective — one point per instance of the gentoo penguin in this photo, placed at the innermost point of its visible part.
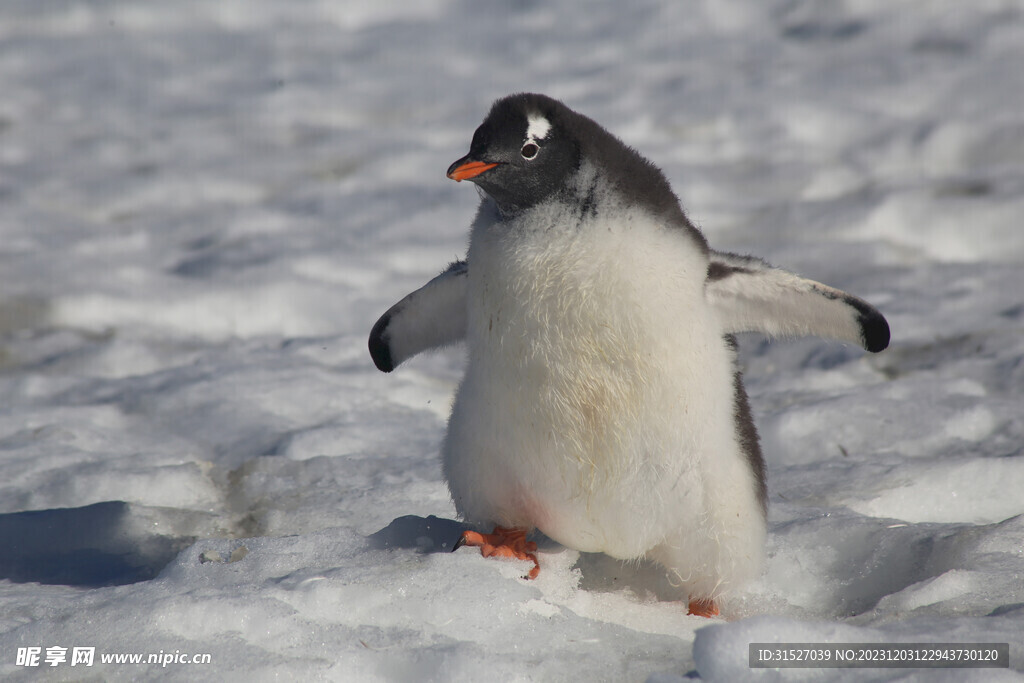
(601, 403)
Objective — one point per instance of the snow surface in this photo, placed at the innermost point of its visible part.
(205, 206)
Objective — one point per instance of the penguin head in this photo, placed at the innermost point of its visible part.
(522, 153)
(532, 148)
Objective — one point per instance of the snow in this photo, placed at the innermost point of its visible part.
(205, 206)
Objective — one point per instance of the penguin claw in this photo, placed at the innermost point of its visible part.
(703, 607)
(503, 542)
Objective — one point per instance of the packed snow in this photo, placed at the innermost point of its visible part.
(204, 207)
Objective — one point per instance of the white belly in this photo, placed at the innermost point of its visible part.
(597, 402)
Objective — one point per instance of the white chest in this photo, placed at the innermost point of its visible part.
(585, 397)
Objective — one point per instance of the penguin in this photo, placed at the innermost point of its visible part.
(602, 404)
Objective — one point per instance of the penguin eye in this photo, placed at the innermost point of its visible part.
(529, 150)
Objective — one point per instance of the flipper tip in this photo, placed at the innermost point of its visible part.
(874, 329)
(380, 349)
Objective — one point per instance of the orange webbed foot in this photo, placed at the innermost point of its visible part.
(703, 607)
(503, 542)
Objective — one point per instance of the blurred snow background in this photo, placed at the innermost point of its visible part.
(205, 206)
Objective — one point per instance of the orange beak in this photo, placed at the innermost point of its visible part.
(464, 170)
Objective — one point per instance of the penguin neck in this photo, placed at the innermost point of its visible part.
(574, 203)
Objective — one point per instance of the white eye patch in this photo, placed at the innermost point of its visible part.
(537, 127)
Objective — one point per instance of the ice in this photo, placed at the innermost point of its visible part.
(205, 206)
